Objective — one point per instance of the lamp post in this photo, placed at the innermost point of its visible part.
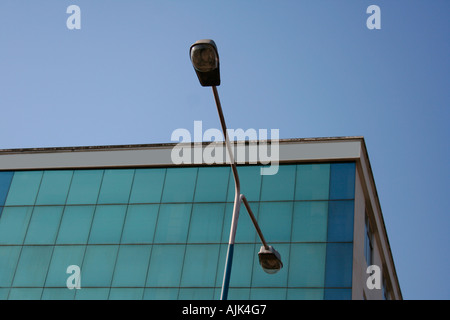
(205, 59)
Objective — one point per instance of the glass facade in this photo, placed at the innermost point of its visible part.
(162, 233)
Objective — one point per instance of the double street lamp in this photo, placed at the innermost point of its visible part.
(205, 59)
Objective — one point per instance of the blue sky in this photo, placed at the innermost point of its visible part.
(307, 68)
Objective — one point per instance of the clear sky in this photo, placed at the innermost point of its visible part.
(308, 68)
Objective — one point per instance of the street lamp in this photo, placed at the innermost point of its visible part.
(205, 59)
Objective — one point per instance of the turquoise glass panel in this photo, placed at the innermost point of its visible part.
(340, 220)
(339, 265)
(166, 263)
(4, 292)
(98, 266)
(245, 231)
(196, 294)
(8, 262)
(280, 279)
(32, 266)
(131, 266)
(212, 184)
(92, 294)
(236, 294)
(147, 185)
(206, 223)
(107, 224)
(250, 181)
(140, 223)
(116, 186)
(342, 181)
(25, 294)
(13, 224)
(126, 293)
(24, 188)
(160, 293)
(44, 224)
(54, 187)
(268, 294)
(200, 265)
(179, 185)
(280, 186)
(309, 222)
(241, 272)
(85, 187)
(313, 181)
(275, 220)
(75, 225)
(338, 294)
(173, 223)
(62, 258)
(58, 294)
(5, 182)
(307, 265)
(305, 294)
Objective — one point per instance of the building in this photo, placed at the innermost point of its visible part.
(124, 222)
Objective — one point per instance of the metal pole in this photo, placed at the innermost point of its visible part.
(255, 223)
(237, 201)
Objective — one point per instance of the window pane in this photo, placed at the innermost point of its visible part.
(92, 293)
(275, 221)
(179, 185)
(310, 221)
(13, 224)
(339, 265)
(212, 184)
(32, 266)
(161, 294)
(206, 223)
(196, 294)
(63, 257)
(279, 186)
(8, 261)
(340, 220)
(245, 231)
(116, 186)
(85, 186)
(107, 224)
(24, 188)
(44, 225)
(165, 267)
(250, 180)
(126, 293)
(147, 185)
(5, 181)
(268, 294)
(98, 266)
(200, 265)
(140, 223)
(25, 294)
(131, 266)
(173, 223)
(58, 294)
(312, 182)
(54, 187)
(263, 279)
(338, 294)
(75, 225)
(342, 181)
(307, 265)
(243, 259)
(305, 294)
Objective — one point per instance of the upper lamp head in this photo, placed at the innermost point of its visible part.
(205, 59)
